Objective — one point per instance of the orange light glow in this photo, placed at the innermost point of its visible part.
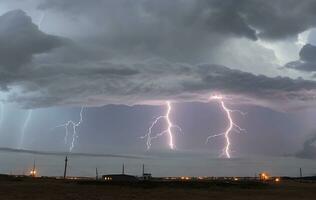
(264, 176)
(33, 172)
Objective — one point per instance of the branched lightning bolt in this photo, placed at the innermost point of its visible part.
(74, 126)
(168, 131)
(24, 127)
(231, 127)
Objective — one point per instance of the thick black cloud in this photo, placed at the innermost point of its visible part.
(307, 60)
(20, 39)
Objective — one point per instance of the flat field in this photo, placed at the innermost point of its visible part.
(46, 189)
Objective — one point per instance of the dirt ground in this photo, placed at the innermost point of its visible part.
(60, 190)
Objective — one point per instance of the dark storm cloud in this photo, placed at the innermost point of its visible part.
(307, 60)
(20, 39)
(235, 81)
(146, 51)
(276, 19)
(179, 31)
(308, 53)
(309, 149)
(279, 19)
(151, 81)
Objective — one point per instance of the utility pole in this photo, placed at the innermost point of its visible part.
(34, 165)
(143, 170)
(65, 170)
(301, 174)
(96, 174)
(123, 169)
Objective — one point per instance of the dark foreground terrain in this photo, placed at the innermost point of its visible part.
(44, 189)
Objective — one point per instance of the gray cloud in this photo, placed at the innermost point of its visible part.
(277, 19)
(307, 60)
(107, 83)
(224, 79)
(139, 53)
(20, 39)
(183, 31)
(309, 149)
(308, 53)
(179, 31)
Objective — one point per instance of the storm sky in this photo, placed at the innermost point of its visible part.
(123, 59)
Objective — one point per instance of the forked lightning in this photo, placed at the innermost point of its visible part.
(74, 126)
(169, 131)
(232, 126)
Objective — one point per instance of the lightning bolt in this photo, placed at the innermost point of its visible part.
(74, 126)
(168, 131)
(232, 126)
(24, 127)
(29, 114)
(1, 113)
(41, 20)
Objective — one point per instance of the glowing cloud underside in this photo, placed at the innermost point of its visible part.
(232, 126)
(74, 126)
(169, 131)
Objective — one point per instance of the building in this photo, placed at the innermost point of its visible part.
(119, 178)
(146, 177)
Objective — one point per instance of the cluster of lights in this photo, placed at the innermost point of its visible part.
(171, 178)
(264, 176)
(185, 178)
(108, 178)
(33, 172)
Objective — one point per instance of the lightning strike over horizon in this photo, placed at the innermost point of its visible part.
(1, 113)
(29, 114)
(41, 20)
(232, 126)
(168, 131)
(24, 127)
(74, 126)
